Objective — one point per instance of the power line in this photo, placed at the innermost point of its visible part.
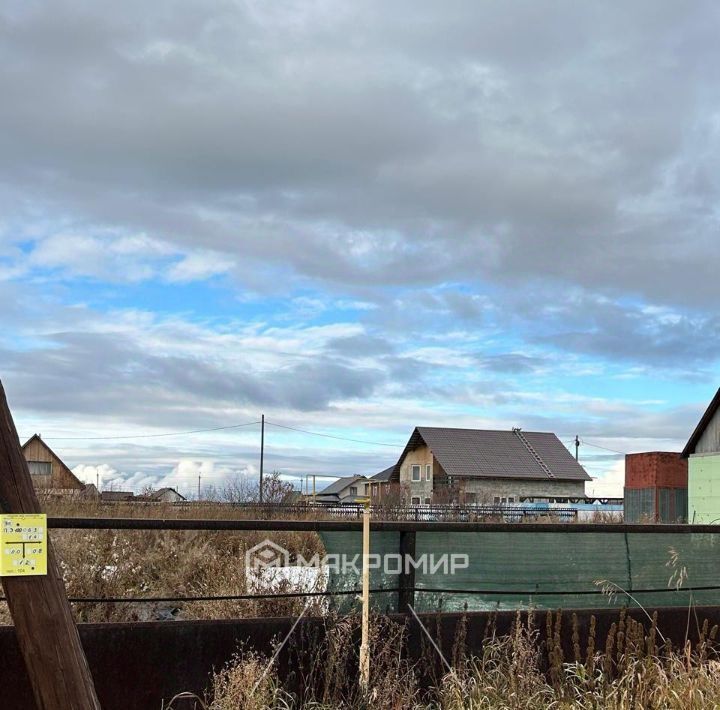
(604, 448)
(147, 436)
(332, 436)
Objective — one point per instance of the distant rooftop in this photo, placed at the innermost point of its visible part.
(487, 453)
(383, 475)
(340, 484)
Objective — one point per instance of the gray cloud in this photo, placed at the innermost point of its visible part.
(104, 374)
(628, 332)
(513, 184)
(356, 146)
(512, 363)
(358, 345)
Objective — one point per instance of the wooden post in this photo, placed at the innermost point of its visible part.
(406, 594)
(364, 644)
(46, 633)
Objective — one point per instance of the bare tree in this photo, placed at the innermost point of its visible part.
(239, 490)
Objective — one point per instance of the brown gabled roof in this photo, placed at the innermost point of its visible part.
(702, 425)
(62, 463)
(485, 453)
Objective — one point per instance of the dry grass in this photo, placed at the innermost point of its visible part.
(132, 563)
(514, 672)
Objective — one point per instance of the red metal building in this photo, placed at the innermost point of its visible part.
(656, 485)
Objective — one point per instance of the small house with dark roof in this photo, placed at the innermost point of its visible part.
(703, 454)
(117, 496)
(48, 472)
(163, 495)
(349, 489)
(441, 464)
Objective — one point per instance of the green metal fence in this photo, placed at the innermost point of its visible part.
(518, 570)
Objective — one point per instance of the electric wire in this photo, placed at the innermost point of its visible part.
(604, 448)
(333, 436)
(148, 436)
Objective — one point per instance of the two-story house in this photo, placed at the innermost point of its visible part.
(482, 466)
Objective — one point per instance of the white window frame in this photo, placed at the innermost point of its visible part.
(415, 467)
(428, 501)
(415, 500)
(353, 490)
(428, 472)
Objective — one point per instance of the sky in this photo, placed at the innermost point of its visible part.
(355, 218)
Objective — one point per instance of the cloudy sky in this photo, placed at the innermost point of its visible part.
(355, 218)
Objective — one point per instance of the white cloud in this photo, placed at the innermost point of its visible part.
(108, 257)
(610, 484)
(103, 475)
(199, 266)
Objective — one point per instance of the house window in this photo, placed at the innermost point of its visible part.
(40, 468)
(511, 499)
(427, 501)
(428, 472)
(353, 490)
(415, 468)
(374, 491)
(367, 487)
(496, 500)
(416, 499)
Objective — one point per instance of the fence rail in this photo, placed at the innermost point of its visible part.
(350, 511)
(406, 587)
(406, 526)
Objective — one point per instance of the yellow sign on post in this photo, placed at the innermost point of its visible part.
(23, 545)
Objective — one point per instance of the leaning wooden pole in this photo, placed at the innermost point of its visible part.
(46, 633)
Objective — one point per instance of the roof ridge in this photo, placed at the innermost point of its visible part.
(492, 431)
(707, 416)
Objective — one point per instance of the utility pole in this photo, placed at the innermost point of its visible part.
(199, 477)
(313, 487)
(577, 447)
(44, 627)
(262, 453)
